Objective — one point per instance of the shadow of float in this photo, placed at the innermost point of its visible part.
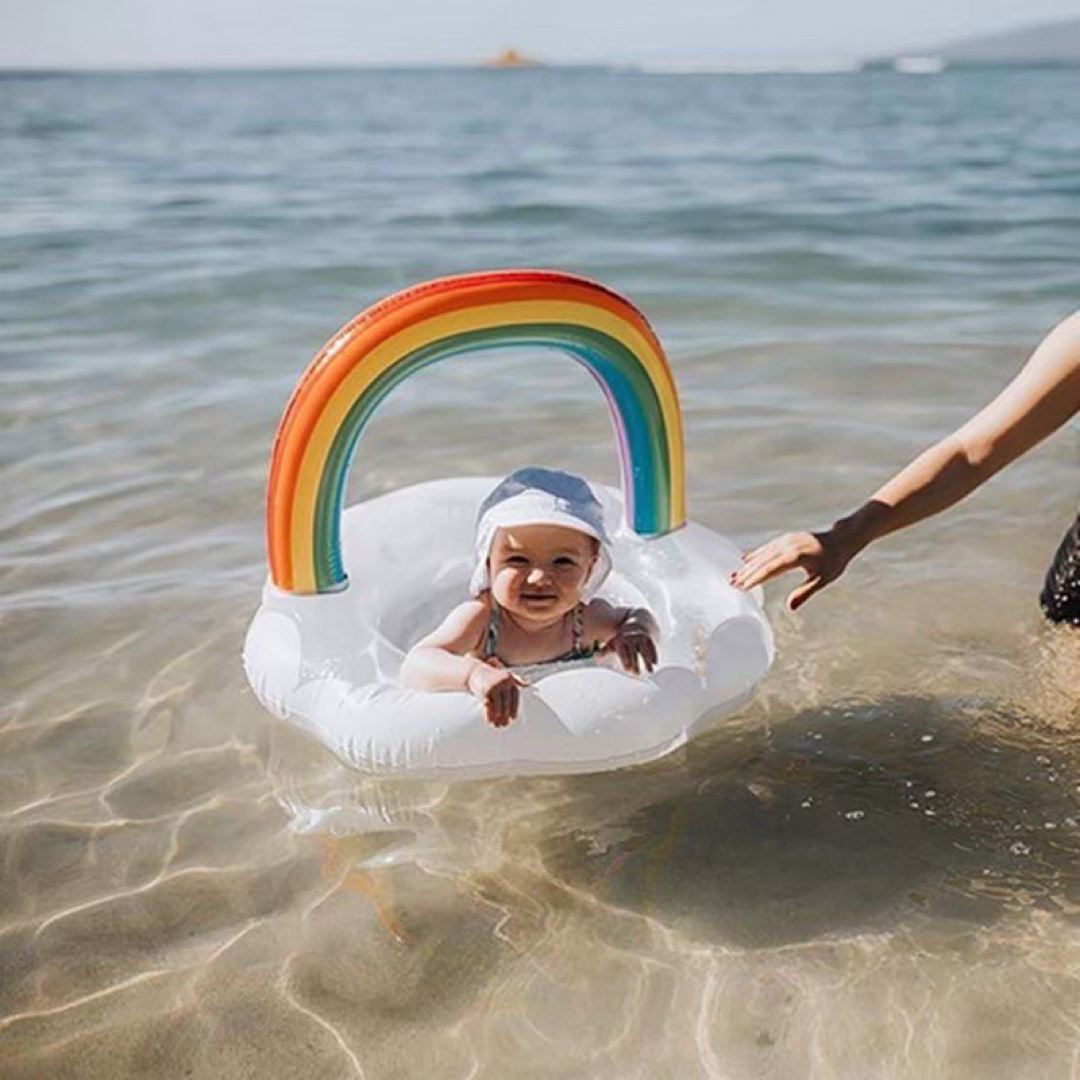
(852, 818)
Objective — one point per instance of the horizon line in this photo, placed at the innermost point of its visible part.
(737, 66)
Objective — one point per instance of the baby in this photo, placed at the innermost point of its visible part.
(542, 554)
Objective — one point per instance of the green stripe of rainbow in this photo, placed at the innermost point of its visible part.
(413, 329)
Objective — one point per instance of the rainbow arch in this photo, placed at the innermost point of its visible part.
(420, 326)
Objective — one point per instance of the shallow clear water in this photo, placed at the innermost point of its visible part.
(874, 870)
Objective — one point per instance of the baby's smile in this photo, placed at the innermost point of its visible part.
(537, 597)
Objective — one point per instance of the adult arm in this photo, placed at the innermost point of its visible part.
(1042, 397)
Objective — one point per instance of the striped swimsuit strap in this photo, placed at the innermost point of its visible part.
(578, 651)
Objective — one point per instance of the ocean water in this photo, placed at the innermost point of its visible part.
(873, 871)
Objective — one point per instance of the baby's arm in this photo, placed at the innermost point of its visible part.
(440, 662)
(631, 633)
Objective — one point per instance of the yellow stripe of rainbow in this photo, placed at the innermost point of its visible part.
(420, 326)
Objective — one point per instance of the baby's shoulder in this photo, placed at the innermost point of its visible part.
(472, 612)
(462, 628)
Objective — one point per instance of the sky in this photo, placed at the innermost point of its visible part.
(243, 33)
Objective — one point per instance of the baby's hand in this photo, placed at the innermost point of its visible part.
(497, 688)
(635, 648)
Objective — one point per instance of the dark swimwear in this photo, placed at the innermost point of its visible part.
(1060, 597)
(579, 653)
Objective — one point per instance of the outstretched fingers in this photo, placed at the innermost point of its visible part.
(763, 565)
(778, 556)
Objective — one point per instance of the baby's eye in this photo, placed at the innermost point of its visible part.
(516, 560)
(565, 560)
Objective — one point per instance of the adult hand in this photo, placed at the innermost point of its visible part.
(498, 689)
(822, 555)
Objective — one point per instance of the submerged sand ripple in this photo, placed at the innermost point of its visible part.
(880, 886)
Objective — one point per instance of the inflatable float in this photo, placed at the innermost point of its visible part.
(349, 591)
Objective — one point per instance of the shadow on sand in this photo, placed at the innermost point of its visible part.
(852, 818)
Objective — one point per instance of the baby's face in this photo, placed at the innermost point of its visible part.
(539, 571)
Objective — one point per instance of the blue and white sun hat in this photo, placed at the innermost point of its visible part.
(537, 496)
